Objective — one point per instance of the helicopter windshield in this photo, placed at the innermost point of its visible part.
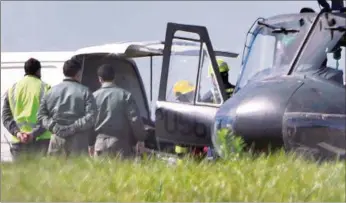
(323, 41)
(273, 46)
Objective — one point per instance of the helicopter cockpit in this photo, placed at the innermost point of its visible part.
(274, 42)
(272, 46)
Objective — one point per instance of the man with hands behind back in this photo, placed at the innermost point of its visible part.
(68, 111)
(19, 113)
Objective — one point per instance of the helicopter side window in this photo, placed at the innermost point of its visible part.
(181, 83)
(260, 60)
(209, 90)
(320, 56)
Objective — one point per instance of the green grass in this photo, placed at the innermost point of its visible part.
(274, 178)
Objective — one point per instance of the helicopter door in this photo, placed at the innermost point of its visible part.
(189, 93)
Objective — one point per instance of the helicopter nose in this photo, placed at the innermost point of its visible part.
(253, 117)
(253, 122)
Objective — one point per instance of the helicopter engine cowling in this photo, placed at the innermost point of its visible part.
(255, 113)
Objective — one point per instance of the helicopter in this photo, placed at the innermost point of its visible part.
(287, 94)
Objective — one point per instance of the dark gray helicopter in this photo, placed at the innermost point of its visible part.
(287, 93)
(289, 96)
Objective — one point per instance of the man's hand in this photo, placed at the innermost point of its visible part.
(20, 136)
(91, 150)
(29, 137)
(24, 137)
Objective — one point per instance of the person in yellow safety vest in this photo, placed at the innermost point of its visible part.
(211, 96)
(184, 91)
(19, 114)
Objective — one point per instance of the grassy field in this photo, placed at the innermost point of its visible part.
(274, 178)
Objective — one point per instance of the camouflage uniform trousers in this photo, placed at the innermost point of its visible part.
(111, 147)
(75, 144)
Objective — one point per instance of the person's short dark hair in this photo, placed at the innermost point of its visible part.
(71, 68)
(106, 72)
(307, 10)
(31, 66)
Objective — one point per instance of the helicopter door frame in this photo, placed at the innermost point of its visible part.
(202, 31)
(185, 123)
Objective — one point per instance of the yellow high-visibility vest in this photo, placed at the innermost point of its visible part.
(229, 92)
(24, 99)
(217, 97)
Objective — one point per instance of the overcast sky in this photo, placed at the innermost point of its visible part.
(68, 25)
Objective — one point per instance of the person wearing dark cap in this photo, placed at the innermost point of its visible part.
(68, 111)
(19, 113)
(118, 126)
